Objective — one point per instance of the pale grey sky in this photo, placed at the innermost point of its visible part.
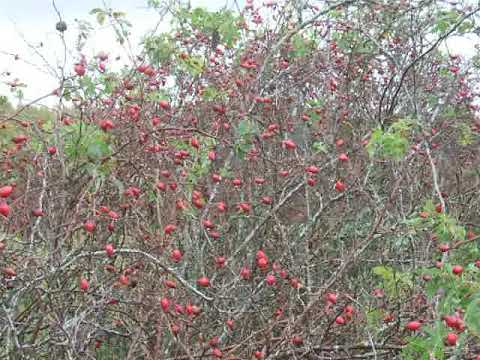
(34, 21)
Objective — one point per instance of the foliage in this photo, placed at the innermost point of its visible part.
(248, 184)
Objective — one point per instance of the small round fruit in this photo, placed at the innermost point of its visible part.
(89, 226)
(413, 325)
(4, 209)
(109, 250)
(457, 269)
(84, 284)
(451, 339)
(176, 255)
(5, 191)
(203, 281)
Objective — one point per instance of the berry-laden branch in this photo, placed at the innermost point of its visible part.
(150, 257)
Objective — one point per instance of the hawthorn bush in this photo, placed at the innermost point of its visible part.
(279, 181)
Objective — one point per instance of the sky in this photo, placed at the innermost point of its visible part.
(25, 24)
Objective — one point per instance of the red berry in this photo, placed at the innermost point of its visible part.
(5, 191)
(216, 352)
(343, 157)
(258, 355)
(164, 104)
(176, 255)
(457, 269)
(289, 144)
(221, 206)
(179, 309)
(37, 212)
(195, 143)
(262, 263)
(212, 155)
(113, 215)
(451, 339)
(20, 139)
(294, 283)
(267, 200)
(413, 325)
(106, 125)
(123, 279)
(297, 340)
(332, 298)
(161, 186)
(208, 224)
(165, 304)
(245, 273)
(443, 247)
(79, 69)
(312, 169)
(89, 226)
(170, 228)
(9, 272)
(84, 284)
(175, 329)
(340, 320)
(109, 249)
(340, 186)
(259, 181)
(203, 281)
(165, 173)
(450, 320)
(220, 261)
(4, 209)
(170, 284)
(270, 279)
(214, 341)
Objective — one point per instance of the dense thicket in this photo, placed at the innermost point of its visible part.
(285, 180)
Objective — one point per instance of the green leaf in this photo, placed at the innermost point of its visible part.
(211, 93)
(299, 46)
(384, 272)
(465, 27)
(319, 146)
(160, 48)
(244, 128)
(466, 134)
(446, 19)
(194, 65)
(101, 18)
(95, 11)
(98, 149)
(117, 14)
(472, 316)
(393, 143)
